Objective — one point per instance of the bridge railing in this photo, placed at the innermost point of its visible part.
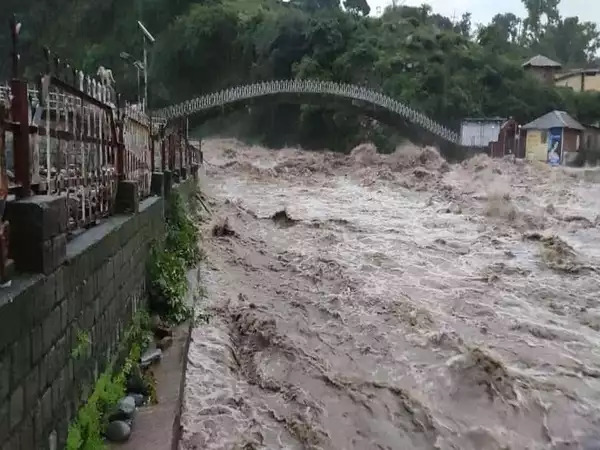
(354, 92)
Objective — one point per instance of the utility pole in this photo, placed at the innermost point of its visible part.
(148, 39)
(145, 106)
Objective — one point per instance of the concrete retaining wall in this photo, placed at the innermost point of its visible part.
(96, 290)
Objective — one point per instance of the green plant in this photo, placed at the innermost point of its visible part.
(182, 234)
(85, 433)
(169, 261)
(168, 284)
(82, 345)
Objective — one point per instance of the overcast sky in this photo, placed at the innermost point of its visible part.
(483, 10)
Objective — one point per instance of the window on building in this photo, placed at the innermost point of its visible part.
(544, 137)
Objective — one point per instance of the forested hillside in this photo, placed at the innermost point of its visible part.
(447, 70)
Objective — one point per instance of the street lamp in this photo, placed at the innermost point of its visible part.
(148, 38)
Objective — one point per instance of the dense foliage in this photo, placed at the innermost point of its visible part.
(446, 69)
(169, 261)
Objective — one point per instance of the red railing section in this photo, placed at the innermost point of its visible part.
(69, 134)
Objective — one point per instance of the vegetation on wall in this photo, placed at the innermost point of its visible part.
(447, 69)
(85, 433)
(169, 261)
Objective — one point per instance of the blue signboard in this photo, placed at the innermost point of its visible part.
(554, 146)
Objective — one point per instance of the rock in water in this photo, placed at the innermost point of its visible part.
(165, 343)
(118, 431)
(136, 383)
(126, 407)
(139, 399)
(151, 356)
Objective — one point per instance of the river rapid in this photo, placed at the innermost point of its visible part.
(369, 301)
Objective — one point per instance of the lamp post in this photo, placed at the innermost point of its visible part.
(148, 39)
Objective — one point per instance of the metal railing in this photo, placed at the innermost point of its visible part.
(349, 91)
(68, 136)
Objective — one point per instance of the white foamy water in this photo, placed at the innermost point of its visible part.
(398, 303)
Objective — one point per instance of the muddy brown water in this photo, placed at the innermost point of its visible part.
(395, 302)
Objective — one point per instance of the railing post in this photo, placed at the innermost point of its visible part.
(120, 152)
(152, 153)
(21, 151)
(163, 161)
(180, 149)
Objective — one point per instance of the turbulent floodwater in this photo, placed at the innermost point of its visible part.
(395, 302)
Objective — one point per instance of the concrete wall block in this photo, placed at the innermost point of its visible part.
(88, 317)
(64, 315)
(17, 403)
(74, 306)
(107, 295)
(51, 329)
(27, 304)
(45, 297)
(4, 375)
(104, 276)
(39, 217)
(53, 362)
(32, 388)
(102, 251)
(54, 253)
(10, 323)
(88, 290)
(20, 360)
(167, 182)
(38, 424)
(128, 198)
(58, 392)
(46, 405)
(117, 264)
(13, 443)
(26, 433)
(37, 344)
(61, 429)
(156, 184)
(4, 421)
(70, 274)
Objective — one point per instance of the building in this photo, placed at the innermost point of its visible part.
(496, 135)
(543, 68)
(580, 80)
(555, 137)
(590, 144)
(479, 132)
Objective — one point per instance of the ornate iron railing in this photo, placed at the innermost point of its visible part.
(349, 91)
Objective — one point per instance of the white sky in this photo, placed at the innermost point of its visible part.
(483, 10)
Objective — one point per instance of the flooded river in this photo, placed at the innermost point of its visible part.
(394, 302)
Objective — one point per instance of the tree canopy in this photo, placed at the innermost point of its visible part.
(447, 69)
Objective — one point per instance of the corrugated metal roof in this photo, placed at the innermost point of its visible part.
(484, 119)
(541, 61)
(554, 119)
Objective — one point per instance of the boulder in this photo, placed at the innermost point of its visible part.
(118, 431)
(150, 357)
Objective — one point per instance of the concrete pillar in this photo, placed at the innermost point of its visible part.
(38, 236)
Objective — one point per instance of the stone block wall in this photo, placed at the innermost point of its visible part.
(95, 290)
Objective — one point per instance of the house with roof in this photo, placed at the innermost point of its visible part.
(580, 80)
(554, 137)
(496, 135)
(543, 68)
